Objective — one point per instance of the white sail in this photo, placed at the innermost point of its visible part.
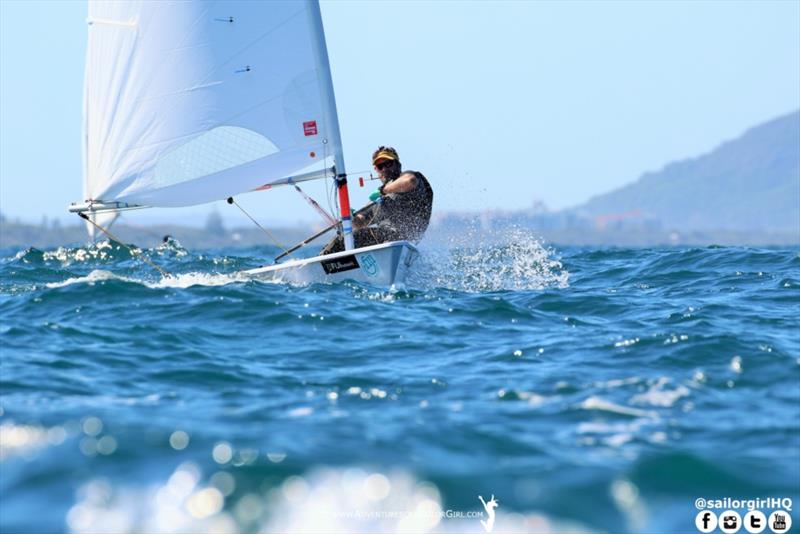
(190, 102)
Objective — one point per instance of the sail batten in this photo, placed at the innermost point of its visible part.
(183, 105)
(124, 23)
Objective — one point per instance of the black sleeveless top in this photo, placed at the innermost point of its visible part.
(407, 214)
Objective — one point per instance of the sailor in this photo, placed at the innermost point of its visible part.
(401, 210)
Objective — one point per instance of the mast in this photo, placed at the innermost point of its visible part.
(324, 70)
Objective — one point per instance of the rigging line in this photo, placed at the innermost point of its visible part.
(331, 188)
(365, 171)
(318, 234)
(314, 204)
(161, 270)
(328, 197)
(333, 201)
(333, 204)
(272, 237)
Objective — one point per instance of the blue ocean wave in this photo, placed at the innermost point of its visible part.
(588, 389)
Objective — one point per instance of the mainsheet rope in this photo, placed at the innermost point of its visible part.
(269, 234)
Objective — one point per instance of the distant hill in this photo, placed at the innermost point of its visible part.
(749, 184)
(15, 234)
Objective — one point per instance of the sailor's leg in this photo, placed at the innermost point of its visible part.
(334, 245)
(382, 234)
(365, 237)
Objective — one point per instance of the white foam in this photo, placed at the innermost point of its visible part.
(182, 281)
(179, 281)
(534, 399)
(98, 275)
(519, 262)
(596, 403)
(659, 395)
(301, 411)
(616, 434)
(618, 382)
(101, 250)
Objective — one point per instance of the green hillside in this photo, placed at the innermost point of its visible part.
(750, 183)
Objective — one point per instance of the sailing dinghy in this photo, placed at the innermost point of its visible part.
(192, 102)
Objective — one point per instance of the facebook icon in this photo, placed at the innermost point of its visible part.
(706, 521)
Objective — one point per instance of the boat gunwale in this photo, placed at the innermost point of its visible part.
(300, 262)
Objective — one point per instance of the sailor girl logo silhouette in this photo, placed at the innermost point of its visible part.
(488, 525)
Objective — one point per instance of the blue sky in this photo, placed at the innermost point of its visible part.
(500, 104)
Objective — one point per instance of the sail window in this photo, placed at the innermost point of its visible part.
(218, 149)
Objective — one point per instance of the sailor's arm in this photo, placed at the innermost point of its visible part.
(404, 183)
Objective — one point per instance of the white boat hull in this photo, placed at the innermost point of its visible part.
(385, 265)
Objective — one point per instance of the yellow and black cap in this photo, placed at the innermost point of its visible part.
(383, 153)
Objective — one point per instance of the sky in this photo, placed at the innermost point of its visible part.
(500, 104)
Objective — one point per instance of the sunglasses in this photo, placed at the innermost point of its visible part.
(384, 164)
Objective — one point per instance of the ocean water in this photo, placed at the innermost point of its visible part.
(586, 389)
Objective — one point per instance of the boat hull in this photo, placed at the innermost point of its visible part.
(386, 264)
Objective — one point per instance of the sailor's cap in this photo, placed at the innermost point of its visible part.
(385, 153)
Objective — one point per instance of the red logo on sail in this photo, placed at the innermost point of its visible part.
(310, 128)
